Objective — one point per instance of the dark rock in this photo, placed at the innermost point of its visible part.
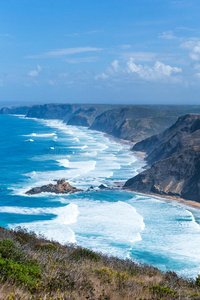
(103, 186)
(62, 187)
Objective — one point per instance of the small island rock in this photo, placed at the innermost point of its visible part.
(62, 187)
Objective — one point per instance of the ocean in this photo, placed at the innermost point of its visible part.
(143, 228)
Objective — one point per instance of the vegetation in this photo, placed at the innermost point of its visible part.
(32, 267)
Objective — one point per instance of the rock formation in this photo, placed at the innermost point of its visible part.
(62, 187)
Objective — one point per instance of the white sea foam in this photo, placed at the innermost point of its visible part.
(59, 228)
(107, 225)
(90, 154)
(41, 135)
(63, 162)
(83, 147)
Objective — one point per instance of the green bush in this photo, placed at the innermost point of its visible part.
(80, 253)
(15, 266)
(161, 291)
(46, 247)
(198, 281)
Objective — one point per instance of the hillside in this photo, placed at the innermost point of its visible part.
(35, 268)
(175, 155)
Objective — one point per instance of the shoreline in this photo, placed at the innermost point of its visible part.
(191, 203)
(142, 156)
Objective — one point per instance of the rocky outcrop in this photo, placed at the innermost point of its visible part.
(175, 155)
(62, 187)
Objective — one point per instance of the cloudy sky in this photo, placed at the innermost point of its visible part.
(100, 51)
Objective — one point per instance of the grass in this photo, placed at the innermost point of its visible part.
(32, 267)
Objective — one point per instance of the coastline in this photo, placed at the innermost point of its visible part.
(191, 203)
(142, 156)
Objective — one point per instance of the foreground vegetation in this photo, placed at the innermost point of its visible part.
(32, 267)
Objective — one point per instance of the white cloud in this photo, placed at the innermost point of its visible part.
(65, 51)
(194, 47)
(132, 67)
(159, 71)
(101, 76)
(115, 65)
(168, 35)
(81, 60)
(35, 73)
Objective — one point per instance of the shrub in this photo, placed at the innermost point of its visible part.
(81, 253)
(161, 291)
(46, 247)
(15, 266)
(198, 281)
(105, 274)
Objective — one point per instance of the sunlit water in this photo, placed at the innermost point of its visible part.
(144, 228)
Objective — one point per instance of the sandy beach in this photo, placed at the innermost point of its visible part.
(166, 197)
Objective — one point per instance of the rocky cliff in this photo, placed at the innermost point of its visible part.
(19, 110)
(175, 155)
(130, 122)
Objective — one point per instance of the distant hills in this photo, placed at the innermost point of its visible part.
(130, 122)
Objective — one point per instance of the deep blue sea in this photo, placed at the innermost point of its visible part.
(143, 228)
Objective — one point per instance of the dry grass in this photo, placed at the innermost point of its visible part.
(69, 272)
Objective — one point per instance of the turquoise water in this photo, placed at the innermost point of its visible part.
(144, 228)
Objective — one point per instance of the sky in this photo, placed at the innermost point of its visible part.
(100, 51)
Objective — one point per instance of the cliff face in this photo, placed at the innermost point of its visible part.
(79, 120)
(21, 110)
(138, 129)
(51, 111)
(175, 155)
(132, 123)
(73, 114)
(110, 121)
(183, 134)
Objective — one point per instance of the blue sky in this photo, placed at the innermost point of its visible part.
(100, 51)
